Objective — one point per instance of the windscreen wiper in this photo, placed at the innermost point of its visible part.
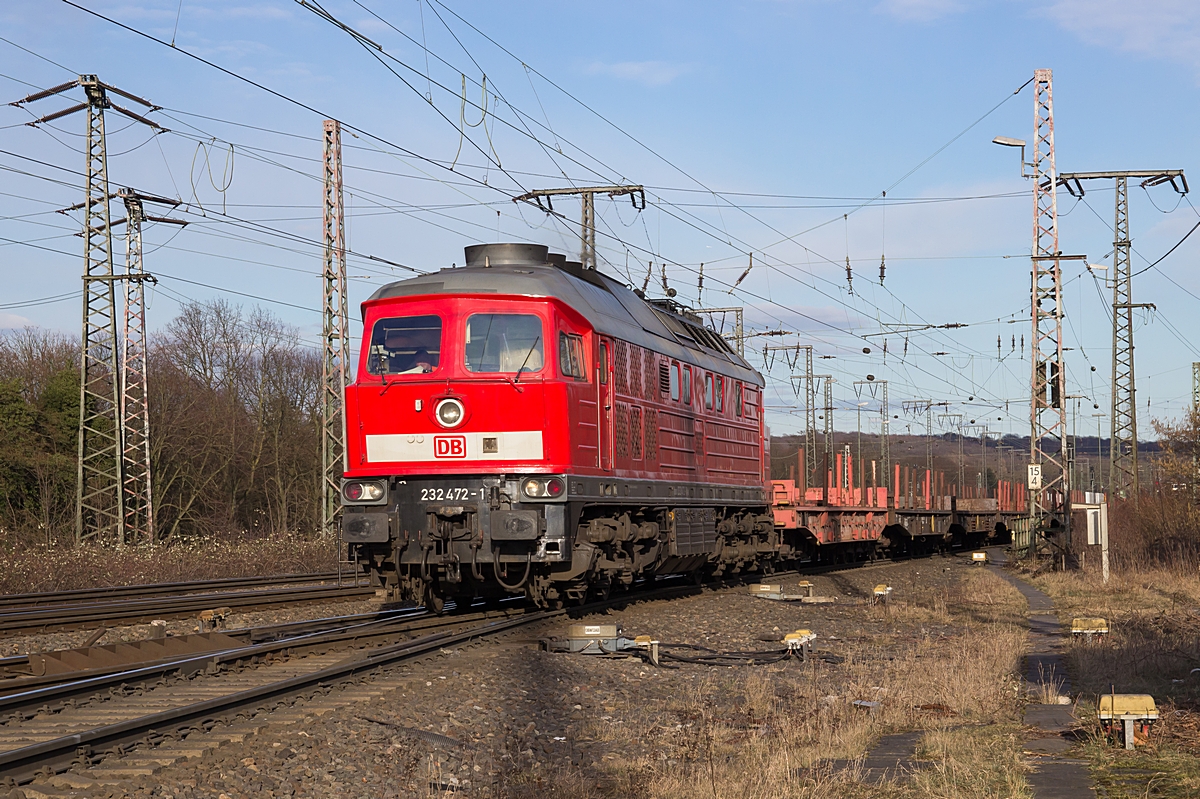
(527, 357)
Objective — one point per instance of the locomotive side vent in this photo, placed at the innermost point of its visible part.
(664, 377)
(651, 424)
(635, 432)
(621, 366)
(649, 360)
(622, 430)
(635, 370)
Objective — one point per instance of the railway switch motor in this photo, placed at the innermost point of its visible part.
(1089, 629)
(1128, 717)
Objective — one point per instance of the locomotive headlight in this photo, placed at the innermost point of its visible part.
(544, 488)
(449, 412)
(362, 491)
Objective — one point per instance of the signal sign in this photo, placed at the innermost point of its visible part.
(1035, 476)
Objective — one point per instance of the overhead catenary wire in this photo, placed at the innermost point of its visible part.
(833, 327)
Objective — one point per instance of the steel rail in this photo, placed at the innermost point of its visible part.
(36, 693)
(88, 614)
(41, 598)
(24, 764)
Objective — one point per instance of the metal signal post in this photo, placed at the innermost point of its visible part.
(335, 331)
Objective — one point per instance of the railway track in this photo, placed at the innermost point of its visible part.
(77, 718)
(145, 603)
(49, 729)
(74, 595)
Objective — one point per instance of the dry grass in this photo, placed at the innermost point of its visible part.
(972, 762)
(1152, 648)
(62, 568)
(1155, 635)
(793, 726)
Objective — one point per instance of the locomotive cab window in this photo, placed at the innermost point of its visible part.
(603, 365)
(720, 391)
(504, 343)
(708, 392)
(739, 401)
(405, 345)
(687, 385)
(570, 356)
(675, 382)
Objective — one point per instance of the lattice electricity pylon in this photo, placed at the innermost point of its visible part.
(926, 407)
(885, 437)
(827, 455)
(135, 407)
(100, 506)
(956, 421)
(1196, 387)
(587, 225)
(810, 411)
(335, 335)
(1049, 502)
(1194, 420)
(1123, 454)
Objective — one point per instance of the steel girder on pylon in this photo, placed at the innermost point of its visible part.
(1049, 504)
(335, 331)
(587, 222)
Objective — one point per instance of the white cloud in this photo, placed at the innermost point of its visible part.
(10, 321)
(1162, 28)
(920, 10)
(648, 73)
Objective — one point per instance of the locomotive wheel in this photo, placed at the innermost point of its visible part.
(434, 602)
(602, 588)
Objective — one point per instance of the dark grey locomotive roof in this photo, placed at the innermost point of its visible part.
(612, 308)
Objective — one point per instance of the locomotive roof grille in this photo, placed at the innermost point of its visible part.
(611, 307)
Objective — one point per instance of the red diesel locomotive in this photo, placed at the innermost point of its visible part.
(523, 425)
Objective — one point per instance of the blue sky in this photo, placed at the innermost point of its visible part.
(755, 126)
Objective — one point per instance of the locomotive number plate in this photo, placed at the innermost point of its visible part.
(445, 494)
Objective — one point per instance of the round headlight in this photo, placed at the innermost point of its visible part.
(533, 488)
(554, 487)
(353, 491)
(449, 413)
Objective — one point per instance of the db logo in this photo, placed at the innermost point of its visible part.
(449, 446)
